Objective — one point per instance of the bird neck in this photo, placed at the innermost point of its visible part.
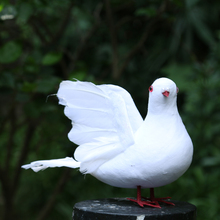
(164, 106)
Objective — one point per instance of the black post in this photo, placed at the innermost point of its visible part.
(122, 209)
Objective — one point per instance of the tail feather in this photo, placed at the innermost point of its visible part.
(44, 164)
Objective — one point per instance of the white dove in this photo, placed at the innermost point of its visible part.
(116, 145)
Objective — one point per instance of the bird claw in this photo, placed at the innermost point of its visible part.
(163, 199)
(152, 201)
(141, 203)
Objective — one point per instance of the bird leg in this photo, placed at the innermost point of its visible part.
(156, 200)
(152, 203)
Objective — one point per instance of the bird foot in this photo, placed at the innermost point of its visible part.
(156, 200)
(152, 201)
(141, 203)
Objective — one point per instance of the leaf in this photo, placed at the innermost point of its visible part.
(178, 2)
(25, 11)
(146, 12)
(191, 3)
(28, 87)
(51, 58)
(1, 7)
(7, 80)
(22, 97)
(47, 85)
(84, 19)
(79, 75)
(203, 31)
(10, 52)
(180, 74)
(211, 161)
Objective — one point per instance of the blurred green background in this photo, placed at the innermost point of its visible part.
(123, 42)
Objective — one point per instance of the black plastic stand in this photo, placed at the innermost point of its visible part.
(122, 209)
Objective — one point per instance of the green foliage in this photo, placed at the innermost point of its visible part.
(1, 7)
(51, 58)
(10, 52)
(129, 43)
(149, 11)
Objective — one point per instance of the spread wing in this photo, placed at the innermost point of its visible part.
(104, 120)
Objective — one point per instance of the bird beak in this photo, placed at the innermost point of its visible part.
(166, 93)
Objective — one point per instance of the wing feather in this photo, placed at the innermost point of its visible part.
(104, 120)
(90, 134)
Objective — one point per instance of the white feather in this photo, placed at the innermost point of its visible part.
(44, 164)
(104, 111)
(115, 144)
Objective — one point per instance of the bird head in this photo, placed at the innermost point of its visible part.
(162, 95)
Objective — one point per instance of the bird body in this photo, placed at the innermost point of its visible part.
(153, 161)
(116, 145)
(161, 153)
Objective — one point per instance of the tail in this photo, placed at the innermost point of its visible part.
(44, 164)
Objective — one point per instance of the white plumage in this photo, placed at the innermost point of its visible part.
(115, 145)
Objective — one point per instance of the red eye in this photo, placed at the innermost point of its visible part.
(177, 89)
(151, 89)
